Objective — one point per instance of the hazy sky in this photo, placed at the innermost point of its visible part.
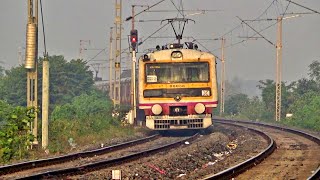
(69, 21)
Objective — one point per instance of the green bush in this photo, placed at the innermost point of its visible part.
(15, 134)
(306, 112)
(84, 106)
(5, 110)
(87, 118)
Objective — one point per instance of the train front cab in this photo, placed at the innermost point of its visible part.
(178, 93)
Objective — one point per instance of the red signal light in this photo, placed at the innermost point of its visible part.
(133, 39)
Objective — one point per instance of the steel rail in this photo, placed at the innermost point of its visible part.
(243, 166)
(60, 159)
(237, 169)
(105, 163)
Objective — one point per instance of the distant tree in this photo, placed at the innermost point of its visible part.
(234, 103)
(254, 110)
(1, 71)
(1, 82)
(314, 71)
(269, 96)
(13, 86)
(67, 80)
(268, 93)
(304, 85)
(231, 89)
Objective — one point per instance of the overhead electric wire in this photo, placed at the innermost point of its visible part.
(179, 11)
(148, 20)
(256, 31)
(303, 6)
(292, 13)
(230, 31)
(239, 42)
(182, 9)
(150, 36)
(242, 41)
(154, 33)
(43, 31)
(287, 7)
(147, 37)
(96, 55)
(144, 10)
(195, 40)
(185, 10)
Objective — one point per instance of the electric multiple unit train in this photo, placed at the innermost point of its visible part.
(177, 88)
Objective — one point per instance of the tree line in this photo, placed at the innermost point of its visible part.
(78, 112)
(300, 98)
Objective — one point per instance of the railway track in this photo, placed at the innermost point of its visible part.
(38, 164)
(296, 157)
(286, 154)
(206, 154)
(92, 160)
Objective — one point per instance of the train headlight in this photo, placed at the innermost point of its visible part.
(156, 109)
(199, 108)
(176, 55)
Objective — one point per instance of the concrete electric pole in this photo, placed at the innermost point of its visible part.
(45, 102)
(222, 85)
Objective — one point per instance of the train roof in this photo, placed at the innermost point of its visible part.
(186, 53)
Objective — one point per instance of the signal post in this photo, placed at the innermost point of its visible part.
(133, 40)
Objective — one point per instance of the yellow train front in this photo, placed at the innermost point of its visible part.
(177, 88)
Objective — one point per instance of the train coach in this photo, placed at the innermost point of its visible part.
(177, 88)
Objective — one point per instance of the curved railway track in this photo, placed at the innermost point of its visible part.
(296, 157)
(9, 169)
(80, 163)
(290, 154)
(207, 154)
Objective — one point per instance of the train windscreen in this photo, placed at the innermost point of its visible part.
(177, 72)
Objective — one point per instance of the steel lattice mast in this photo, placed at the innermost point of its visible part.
(279, 69)
(117, 59)
(31, 62)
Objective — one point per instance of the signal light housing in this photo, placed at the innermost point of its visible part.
(134, 38)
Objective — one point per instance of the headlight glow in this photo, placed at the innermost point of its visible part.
(199, 108)
(176, 54)
(156, 109)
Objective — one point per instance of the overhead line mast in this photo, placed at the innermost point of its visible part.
(278, 47)
(111, 65)
(117, 59)
(31, 62)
